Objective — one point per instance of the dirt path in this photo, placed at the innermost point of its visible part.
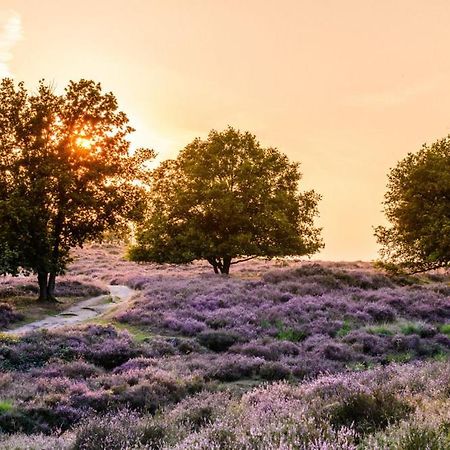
(84, 310)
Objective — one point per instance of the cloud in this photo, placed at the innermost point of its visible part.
(10, 34)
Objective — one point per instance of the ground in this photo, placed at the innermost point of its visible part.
(281, 354)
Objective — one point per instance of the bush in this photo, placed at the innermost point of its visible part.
(368, 412)
(217, 341)
(111, 432)
(272, 371)
(8, 315)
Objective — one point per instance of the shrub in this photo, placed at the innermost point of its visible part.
(423, 437)
(234, 367)
(8, 315)
(272, 371)
(369, 411)
(217, 341)
(111, 432)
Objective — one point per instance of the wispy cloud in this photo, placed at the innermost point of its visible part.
(10, 34)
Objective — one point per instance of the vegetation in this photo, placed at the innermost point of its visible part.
(417, 205)
(224, 198)
(66, 175)
(310, 356)
(189, 371)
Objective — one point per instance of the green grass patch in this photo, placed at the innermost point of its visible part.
(382, 330)
(5, 406)
(400, 358)
(289, 334)
(284, 333)
(441, 356)
(445, 329)
(346, 328)
(139, 334)
(360, 366)
(411, 328)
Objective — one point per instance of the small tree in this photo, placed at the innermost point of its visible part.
(66, 175)
(417, 204)
(224, 198)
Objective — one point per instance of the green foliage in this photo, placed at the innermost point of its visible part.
(383, 330)
(417, 205)
(411, 328)
(445, 329)
(66, 174)
(290, 334)
(227, 197)
(399, 358)
(5, 406)
(345, 329)
(369, 412)
(422, 437)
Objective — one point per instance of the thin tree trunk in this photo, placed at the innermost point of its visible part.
(226, 265)
(43, 286)
(51, 287)
(221, 265)
(213, 262)
(46, 287)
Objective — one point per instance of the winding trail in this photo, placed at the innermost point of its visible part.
(80, 312)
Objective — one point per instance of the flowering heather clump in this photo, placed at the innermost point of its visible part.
(327, 319)
(66, 286)
(8, 315)
(80, 372)
(203, 342)
(100, 345)
(394, 407)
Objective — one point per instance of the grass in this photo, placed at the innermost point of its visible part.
(404, 327)
(411, 328)
(346, 328)
(441, 356)
(399, 358)
(289, 334)
(5, 406)
(140, 334)
(33, 310)
(383, 329)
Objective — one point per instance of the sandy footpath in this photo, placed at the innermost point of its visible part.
(84, 310)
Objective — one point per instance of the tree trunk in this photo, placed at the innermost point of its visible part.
(51, 287)
(43, 282)
(213, 262)
(225, 269)
(46, 287)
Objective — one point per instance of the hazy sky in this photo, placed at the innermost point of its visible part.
(346, 87)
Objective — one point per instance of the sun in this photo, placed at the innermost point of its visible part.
(84, 142)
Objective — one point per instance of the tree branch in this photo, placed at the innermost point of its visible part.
(243, 260)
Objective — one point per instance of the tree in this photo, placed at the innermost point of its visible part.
(417, 205)
(66, 175)
(224, 198)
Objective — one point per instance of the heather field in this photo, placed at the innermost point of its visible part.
(279, 355)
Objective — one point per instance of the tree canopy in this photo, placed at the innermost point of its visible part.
(417, 205)
(66, 174)
(224, 198)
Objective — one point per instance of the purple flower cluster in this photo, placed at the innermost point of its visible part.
(308, 319)
(8, 315)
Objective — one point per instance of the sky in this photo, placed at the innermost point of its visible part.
(346, 87)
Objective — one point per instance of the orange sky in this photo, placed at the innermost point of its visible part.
(345, 87)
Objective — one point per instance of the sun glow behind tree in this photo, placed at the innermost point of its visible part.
(66, 175)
